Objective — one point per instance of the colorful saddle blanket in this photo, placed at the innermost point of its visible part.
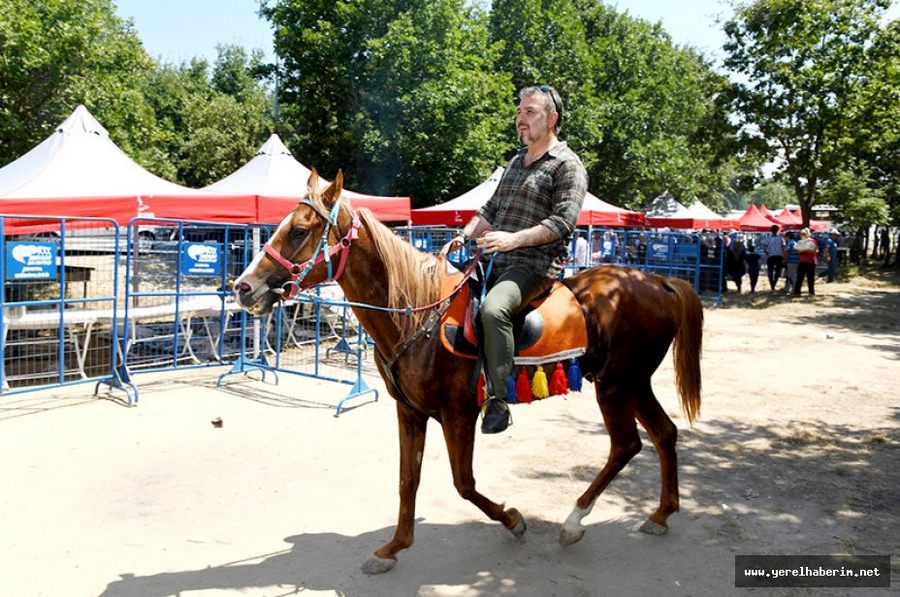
(550, 329)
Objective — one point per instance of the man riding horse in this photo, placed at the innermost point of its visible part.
(528, 222)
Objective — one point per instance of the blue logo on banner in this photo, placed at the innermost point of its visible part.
(659, 251)
(31, 261)
(201, 259)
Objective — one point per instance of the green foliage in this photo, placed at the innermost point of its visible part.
(861, 202)
(59, 53)
(642, 113)
(802, 66)
(402, 95)
(216, 123)
(439, 118)
(179, 122)
(772, 194)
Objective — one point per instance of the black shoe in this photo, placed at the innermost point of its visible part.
(495, 415)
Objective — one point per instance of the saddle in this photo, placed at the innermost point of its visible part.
(551, 328)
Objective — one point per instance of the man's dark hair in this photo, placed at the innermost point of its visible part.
(774, 229)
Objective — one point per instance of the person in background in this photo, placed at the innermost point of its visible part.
(831, 254)
(774, 247)
(885, 246)
(791, 261)
(753, 258)
(738, 261)
(607, 248)
(807, 249)
(582, 253)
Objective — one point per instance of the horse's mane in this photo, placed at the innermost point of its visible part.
(413, 277)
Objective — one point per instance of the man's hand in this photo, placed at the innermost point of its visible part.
(455, 243)
(497, 241)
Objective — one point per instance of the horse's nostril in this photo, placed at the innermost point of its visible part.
(244, 287)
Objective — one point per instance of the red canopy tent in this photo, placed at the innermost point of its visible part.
(596, 212)
(695, 217)
(78, 172)
(814, 225)
(754, 221)
(788, 220)
(458, 211)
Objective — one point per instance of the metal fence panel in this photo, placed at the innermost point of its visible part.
(60, 300)
(695, 257)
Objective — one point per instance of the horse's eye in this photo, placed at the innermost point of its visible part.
(298, 234)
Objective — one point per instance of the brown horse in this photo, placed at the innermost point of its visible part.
(632, 318)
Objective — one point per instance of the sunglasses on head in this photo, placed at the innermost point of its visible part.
(552, 93)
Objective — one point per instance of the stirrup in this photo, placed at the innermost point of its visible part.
(495, 416)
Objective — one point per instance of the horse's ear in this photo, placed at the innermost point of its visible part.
(312, 185)
(333, 192)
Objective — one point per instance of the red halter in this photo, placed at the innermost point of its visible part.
(299, 271)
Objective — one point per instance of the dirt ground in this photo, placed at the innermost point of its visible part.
(796, 452)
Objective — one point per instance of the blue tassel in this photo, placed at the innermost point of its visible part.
(574, 376)
(511, 389)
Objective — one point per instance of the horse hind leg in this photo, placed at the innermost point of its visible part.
(617, 407)
(664, 434)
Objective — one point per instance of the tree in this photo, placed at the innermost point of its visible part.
(643, 115)
(440, 118)
(801, 64)
(400, 94)
(61, 53)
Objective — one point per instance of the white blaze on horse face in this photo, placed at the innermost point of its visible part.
(249, 276)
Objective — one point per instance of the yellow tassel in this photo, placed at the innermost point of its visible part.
(539, 384)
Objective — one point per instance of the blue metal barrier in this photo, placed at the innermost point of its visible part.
(313, 335)
(690, 256)
(60, 300)
(68, 317)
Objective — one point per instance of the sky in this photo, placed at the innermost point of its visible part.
(178, 30)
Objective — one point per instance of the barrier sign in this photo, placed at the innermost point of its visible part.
(660, 251)
(201, 259)
(31, 261)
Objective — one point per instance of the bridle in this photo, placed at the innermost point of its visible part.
(299, 271)
(323, 251)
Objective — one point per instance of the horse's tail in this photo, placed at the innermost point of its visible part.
(688, 345)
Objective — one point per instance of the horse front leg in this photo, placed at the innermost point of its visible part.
(412, 425)
(459, 433)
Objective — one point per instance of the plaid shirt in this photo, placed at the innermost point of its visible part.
(549, 192)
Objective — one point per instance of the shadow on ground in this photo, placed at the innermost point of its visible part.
(793, 488)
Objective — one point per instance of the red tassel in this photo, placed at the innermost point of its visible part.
(523, 387)
(558, 383)
(481, 397)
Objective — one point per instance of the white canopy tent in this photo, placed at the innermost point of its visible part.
(279, 180)
(80, 160)
(79, 172)
(458, 211)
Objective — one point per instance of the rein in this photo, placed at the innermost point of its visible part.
(342, 249)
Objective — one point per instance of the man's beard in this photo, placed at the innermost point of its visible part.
(527, 136)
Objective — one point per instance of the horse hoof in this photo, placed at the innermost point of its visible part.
(518, 529)
(569, 537)
(653, 528)
(377, 565)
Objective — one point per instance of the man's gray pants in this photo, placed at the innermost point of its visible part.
(513, 290)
